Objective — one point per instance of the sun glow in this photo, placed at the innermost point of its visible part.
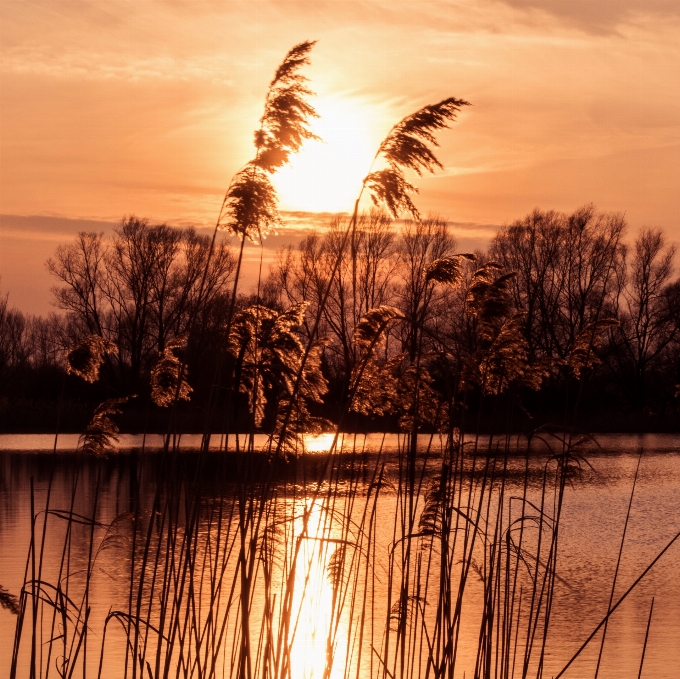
(314, 611)
(326, 175)
(319, 443)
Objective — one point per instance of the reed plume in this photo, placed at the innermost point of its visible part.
(407, 146)
(247, 343)
(268, 353)
(391, 188)
(101, 434)
(284, 125)
(9, 601)
(419, 403)
(335, 568)
(447, 270)
(503, 353)
(370, 328)
(384, 389)
(165, 376)
(373, 387)
(392, 389)
(435, 498)
(250, 207)
(488, 299)
(506, 360)
(403, 611)
(376, 389)
(86, 358)
(582, 355)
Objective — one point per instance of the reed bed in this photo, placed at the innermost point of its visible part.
(435, 560)
(322, 565)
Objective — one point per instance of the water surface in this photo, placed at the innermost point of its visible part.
(591, 527)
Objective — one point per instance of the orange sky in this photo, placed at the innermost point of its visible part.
(146, 107)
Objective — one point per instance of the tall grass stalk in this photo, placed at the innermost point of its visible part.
(417, 562)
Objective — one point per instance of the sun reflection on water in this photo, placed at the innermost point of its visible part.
(318, 443)
(313, 599)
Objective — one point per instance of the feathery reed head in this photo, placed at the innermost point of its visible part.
(248, 326)
(391, 188)
(284, 124)
(583, 352)
(336, 565)
(447, 270)
(287, 72)
(86, 358)
(294, 419)
(506, 359)
(372, 324)
(503, 361)
(403, 610)
(251, 206)
(166, 374)
(101, 433)
(406, 146)
(314, 385)
(376, 387)
(118, 533)
(419, 403)
(434, 503)
(290, 320)
(488, 299)
(9, 601)
(269, 352)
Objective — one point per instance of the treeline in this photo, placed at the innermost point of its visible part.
(139, 290)
(565, 281)
(577, 320)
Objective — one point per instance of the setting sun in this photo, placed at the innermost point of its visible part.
(326, 175)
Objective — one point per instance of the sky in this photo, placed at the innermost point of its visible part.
(148, 107)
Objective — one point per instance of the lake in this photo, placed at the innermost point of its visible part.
(341, 564)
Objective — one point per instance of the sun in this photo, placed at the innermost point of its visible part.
(326, 175)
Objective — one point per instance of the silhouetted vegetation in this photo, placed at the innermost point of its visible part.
(362, 326)
(553, 275)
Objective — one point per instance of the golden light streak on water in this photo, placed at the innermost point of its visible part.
(313, 599)
(318, 443)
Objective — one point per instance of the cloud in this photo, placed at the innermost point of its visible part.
(149, 107)
(84, 65)
(600, 16)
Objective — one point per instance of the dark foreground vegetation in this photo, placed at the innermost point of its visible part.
(361, 327)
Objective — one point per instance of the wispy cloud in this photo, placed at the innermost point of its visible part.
(601, 17)
(97, 66)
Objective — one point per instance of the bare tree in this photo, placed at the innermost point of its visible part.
(141, 288)
(363, 279)
(47, 339)
(647, 326)
(567, 269)
(81, 271)
(420, 244)
(12, 330)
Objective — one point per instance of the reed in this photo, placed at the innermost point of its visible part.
(235, 563)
